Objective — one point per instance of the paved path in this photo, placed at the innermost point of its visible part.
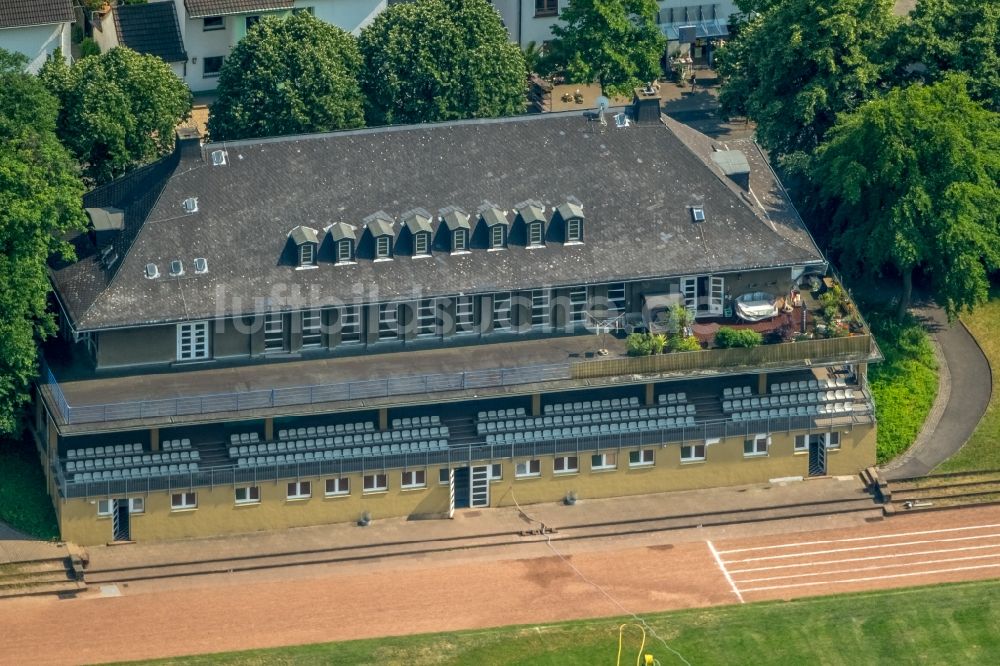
(968, 390)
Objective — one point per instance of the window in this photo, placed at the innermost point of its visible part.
(458, 240)
(602, 461)
(105, 507)
(339, 486)
(211, 66)
(192, 341)
(444, 476)
(692, 452)
(528, 468)
(299, 490)
(757, 446)
(496, 236)
(350, 324)
(465, 315)
(426, 318)
(181, 501)
(307, 254)
(312, 330)
(801, 443)
(421, 245)
(616, 297)
(578, 305)
(388, 321)
(496, 472)
(540, 310)
(501, 312)
(833, 440)
(382, 247)
(573, 230)
(251, 21)
(534, 234)
(248, 495)
(274, 332)
(640, 458)
(413, 479)
(376, 482)
(213, 23)
(546, 7)
(565, 464)
(137, 505)
(344, 250)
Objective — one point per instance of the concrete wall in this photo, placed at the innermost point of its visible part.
(37, 42)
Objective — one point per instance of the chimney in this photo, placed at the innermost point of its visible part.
(646, 105)
(734, 164)
(188, 143)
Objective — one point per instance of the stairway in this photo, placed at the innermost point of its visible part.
(213, 454)
(58, 575)
(461, 430)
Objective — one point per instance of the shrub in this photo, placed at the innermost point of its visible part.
(638, 344)
(88, 47)
(680, 343)
(727, 337)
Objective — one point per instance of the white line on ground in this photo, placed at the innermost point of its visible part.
(855, 548)
(872, 578)
(722, 567)
(865, 538)
(823, 563)
(877, 567)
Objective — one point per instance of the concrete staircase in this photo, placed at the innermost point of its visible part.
(57, 575)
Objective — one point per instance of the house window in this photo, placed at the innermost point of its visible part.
(299, 490)
(274, 332)
(344, 250)
(757, 446)
(182, 501)
(496, 236)
(213, 23)
(616, 297)
(540, 310)
(527, 468)
(382, 247)
(496, 472)
(350, 324)
(426, 318)
(137, 505)
(692, 452)
(307, 254)
(444, 476)
(602, 461)
(573, 230)
(339, 486)
(388, 321)
(413, 479)
(535, 234)
(640, 458)
(465, 315)
(376, 482)
(192, 341)
(802, 442)
(312, 331)
(421, 245)
(211, 66)
(105, 507)
(501, 312)
(578, 305)
(248, 495)
(565, 464)
(546, 8)
(458, 240)
(833, 440)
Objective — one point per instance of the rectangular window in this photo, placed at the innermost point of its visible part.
(274, 332)
(692, 452)
(565, 464)
(572, 230)
(137, 505)
(350, 324)
(426, 318)
(540, 308)
(105, 507)
(192, 341)
(496, 472)
(248, 495)
(299, 490)
(181, 501)
(420, 245)
(616, 297)
(528, 468)
(546, 7)
(307, 254)
(312, 331)
(376, 482)
(388, 321)
(535, 234)
(757, 446)
(413, 479)
(501, 312)
(444, 477)
(801, 443)
(601, 461)
(338, 486)
(465, 314)
(382, 247)
(578, 305)
(833, 440)
(211, 66)
(343, 250)
(496, 236)
(640, 458)
(213, 23)
(458, 240)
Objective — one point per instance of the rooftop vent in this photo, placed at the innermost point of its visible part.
(219, 158)
(200, 265)
(176, 267)
(109, 255)
(191, 205)
(698, 213)
(152, 272)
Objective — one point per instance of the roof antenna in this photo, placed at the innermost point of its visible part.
(602, 105)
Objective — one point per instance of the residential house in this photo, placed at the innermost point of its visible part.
(36, 28)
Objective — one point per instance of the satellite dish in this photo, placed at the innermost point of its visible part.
(603, 103)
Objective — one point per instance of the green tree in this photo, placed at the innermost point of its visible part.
(289, 76)
(118, 109)
(912, 180)
(40, 200)
(796, 64)
(942, 36)
(433, 60)
(614, 42)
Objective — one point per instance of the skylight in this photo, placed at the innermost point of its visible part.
(191, 205)
(219, 158)
(176, 267)
(698, 213)
(200, 265)
(152, 271)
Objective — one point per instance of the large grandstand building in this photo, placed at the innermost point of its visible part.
(408, 321)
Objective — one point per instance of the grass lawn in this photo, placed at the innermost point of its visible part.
(947, 624)
(24, 503)
(982, 451)
(904, 385)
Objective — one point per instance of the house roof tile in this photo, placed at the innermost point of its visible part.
(151, 28)
(25, 13)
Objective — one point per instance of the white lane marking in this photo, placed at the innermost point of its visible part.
(864, 538)
(871, 578)
(877, 567)
(722, 567)
(823, 563)
(856, 548)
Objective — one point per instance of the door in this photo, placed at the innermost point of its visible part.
(689, 291)
(817, 455)
(120, 521)
(461, 481)
(480, 486)
(716, 294)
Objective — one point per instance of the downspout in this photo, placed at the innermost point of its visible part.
(520, 22)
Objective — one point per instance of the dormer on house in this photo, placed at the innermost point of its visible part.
(456, 221)
(343, 241)
(531, 220)
(495, 221)
(570, 215)
(418, 230)
(380, 228)
(306, 243)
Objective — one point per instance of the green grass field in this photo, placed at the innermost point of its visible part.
(947, 624)
(982, 451)
(24, 505)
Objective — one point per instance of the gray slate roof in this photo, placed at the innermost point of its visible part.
(634, 185)
(151, 28)
(202, 8)
(24, 13)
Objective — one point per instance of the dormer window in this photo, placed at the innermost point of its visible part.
(535, 234)
(458, 240)
(531, 215)
(456, 221)
(306, 241)
(571, 213)
(417, 223)
(496, 237)
(344, 250)
(573, 231)
(382, 247)
(382, 229)
(342, 237)
(421, 244)
(307, 255)
(496, 222)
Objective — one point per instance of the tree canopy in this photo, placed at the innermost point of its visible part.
(289, 76)
(796, 64)
(912, 180)
(433, 60)
(118, 110)
(40, 199)
(614, 42)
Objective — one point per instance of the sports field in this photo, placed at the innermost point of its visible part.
(942, 624)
